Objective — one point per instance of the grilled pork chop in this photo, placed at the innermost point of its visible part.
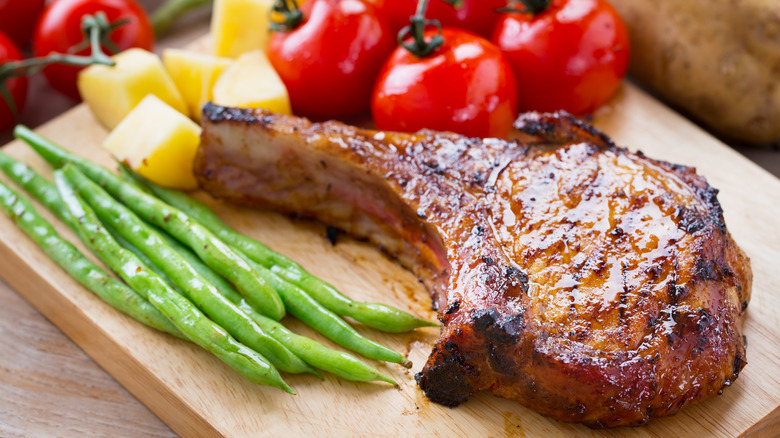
(588, 283)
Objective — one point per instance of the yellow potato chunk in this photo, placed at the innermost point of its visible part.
(112, 92)
(252, 82)
(240, 26)
(194, 75)
(158, 142)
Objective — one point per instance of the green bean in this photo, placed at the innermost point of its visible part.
(37, 186)
(110, 290)
(310, 311)
(180, 311)
(335, 362)
(375, 315)
(130, 177)
(46, 193)
(378, 316)
(209, 248)
(183, 276)
(124, 243)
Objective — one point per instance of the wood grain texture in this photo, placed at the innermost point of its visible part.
(196, 394)
(49, 384)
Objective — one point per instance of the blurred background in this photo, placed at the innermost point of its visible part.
(43, 103)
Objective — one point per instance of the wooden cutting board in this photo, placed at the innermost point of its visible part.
(198, 395)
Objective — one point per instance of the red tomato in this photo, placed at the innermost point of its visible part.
(59, 29)
(18, 17)
(572, 56)
(478, 16)
(466, 86)
(16, 86)
(330, 61)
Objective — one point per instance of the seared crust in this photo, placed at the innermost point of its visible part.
(587, 282)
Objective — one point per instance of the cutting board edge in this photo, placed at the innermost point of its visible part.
(769, 426)
(123, 366)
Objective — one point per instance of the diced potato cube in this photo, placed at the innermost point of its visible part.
(240, 26)
(252, 82)
(194, 75)
(158, 142)
(112, 92)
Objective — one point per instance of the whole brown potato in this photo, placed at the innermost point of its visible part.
(718, 60)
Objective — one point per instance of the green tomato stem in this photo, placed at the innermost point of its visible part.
(170, 11)
(96, 30)
(285, 15)
(419, 46)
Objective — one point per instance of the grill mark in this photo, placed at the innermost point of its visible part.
(624, 293)
(672, 289)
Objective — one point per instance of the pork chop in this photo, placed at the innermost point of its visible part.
(589, 283)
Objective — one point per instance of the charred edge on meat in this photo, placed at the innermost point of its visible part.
(561, 127)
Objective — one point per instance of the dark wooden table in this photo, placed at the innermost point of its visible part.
(48, 386)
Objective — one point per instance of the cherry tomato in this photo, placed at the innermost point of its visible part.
(18, 17)
(330, 61)
(478, 16)
(16, 86)
(572, 56)
(59, 29)
(465, 86)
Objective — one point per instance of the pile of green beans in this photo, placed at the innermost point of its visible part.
(374, 315)
(190, 275)
(181, 312)
(182, 275)
(335, 362)
(205, 244)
